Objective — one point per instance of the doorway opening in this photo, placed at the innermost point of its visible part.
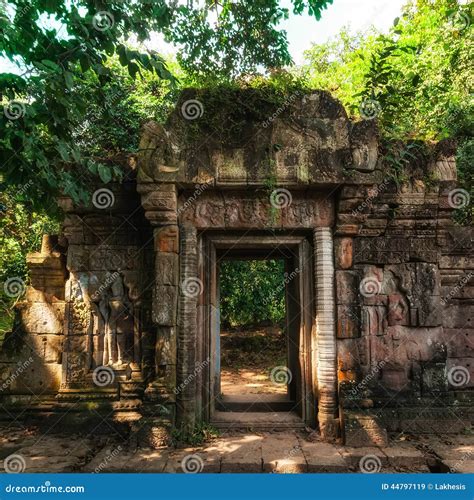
(258, 353)
(293, 403)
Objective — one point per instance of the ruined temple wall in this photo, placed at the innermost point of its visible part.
(95, 281)
(107, 320)
(31, 355)
(402, 281)
(405, 288)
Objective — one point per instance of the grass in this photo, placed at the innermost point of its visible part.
(195, 437)
(6, 323)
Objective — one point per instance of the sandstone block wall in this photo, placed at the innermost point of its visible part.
(108, 293)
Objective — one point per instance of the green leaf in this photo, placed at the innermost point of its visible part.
(105, 173)
(69, 79)
(416, 80)
(62, 149)
(92, 167)
(51, 65)
(76, 155)
(133, 69)
(84, 62)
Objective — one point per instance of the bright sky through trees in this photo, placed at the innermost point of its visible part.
(303, 30)
(357, 14)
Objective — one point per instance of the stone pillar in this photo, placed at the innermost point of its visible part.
(160, 204)
(190, 289)
(326, 365)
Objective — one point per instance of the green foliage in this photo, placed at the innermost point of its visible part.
(21, 230)
(252, 291)
(200, 434)
(57, 44)
(117, 109)
(419, 72)
(339, 65)
(227, 38)
(61, 46)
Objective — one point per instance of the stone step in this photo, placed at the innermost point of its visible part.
(268, 403)
(230, 420)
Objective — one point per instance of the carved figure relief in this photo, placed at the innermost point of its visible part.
(211, 210)
(111, 328)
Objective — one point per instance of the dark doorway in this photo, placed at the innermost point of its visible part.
(258, 349)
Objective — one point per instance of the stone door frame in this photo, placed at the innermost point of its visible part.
(178, 216)
(209, 244)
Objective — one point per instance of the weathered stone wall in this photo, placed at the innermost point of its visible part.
(110, 293)
(84, 328)
(404, 274)
(107, 315)
(31, 355)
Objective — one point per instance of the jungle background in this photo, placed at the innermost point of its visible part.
(74, 109)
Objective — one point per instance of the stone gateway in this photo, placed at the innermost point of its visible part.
(122, 314)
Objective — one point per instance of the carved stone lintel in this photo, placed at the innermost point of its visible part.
(238, 211)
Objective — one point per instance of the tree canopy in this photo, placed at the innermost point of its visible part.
(420, 72)
(58, 44)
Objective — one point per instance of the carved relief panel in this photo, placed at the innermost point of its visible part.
(277, 208)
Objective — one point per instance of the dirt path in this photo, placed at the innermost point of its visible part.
(27, 449)
(247, 359)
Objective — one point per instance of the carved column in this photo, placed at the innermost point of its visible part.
(160, 204)
(326, 334)
(190, 288)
